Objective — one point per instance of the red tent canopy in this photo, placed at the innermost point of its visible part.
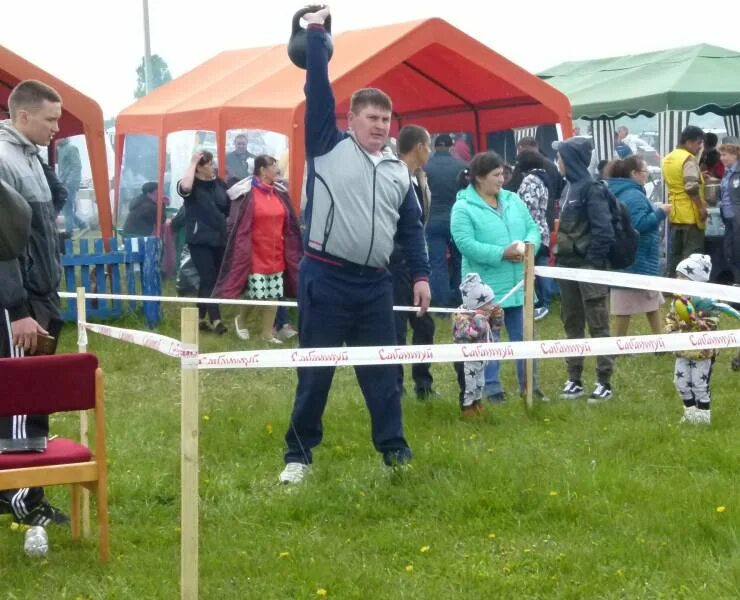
(437, 76)
(80, 115)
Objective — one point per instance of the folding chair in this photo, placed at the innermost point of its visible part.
(47, 385)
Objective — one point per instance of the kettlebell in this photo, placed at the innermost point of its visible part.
(297, 43)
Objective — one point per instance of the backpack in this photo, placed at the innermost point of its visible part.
(623, 252)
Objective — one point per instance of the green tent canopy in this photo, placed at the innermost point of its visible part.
(698, 79)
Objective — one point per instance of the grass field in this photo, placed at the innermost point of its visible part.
(566, 501)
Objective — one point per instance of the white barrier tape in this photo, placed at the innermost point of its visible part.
(154, 341)
(378, 355)
(683, 287)
(234, 301)
(189, 356)
(81, 334)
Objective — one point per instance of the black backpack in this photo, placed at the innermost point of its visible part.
(623, 252)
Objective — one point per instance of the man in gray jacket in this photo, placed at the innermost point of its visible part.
(359, 200)
(28, 284)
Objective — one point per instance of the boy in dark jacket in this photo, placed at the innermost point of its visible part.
(585, 237)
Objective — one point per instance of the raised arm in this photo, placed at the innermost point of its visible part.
(322, 133)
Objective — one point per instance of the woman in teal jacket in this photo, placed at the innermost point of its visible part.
(488, 225)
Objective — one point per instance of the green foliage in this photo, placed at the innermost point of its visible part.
(159, 73)
(566, 501)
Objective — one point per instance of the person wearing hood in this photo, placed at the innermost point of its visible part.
(359, 199)
(142, 214)
(626, 180)
(585, 237)
(490, 226)
(29, 304)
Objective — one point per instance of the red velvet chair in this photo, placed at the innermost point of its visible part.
(51, 384)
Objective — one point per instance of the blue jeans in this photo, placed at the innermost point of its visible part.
(71, 220)
(337, 307)
(543, 286)
(514, 322)
(444, 279)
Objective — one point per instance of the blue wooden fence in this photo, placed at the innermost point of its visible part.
(132, 266)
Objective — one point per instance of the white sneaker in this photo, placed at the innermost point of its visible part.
(241, 333)
(602, 393)
(286, 332)
(688, 414)
(703, 417)
(293, 473)
(695, 416)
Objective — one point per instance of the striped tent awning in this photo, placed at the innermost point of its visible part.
(523, 132)
(732, 125)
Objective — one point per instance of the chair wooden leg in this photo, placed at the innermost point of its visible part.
(102, 494)
(74, 512)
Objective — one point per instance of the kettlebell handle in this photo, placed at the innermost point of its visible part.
(304, 11)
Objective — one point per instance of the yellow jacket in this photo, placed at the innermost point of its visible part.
(683, 209)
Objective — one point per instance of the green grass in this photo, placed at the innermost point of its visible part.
(567, 501)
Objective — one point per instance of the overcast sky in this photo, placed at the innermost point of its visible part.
(95, 45)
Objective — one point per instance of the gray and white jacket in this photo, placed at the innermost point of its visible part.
(357, 204)
(37, 271)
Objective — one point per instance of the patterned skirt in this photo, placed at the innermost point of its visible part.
(265, 287)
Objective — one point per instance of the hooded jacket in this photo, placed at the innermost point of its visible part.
(586, 233)
(646, 219)
(37, 271)
(482, 235)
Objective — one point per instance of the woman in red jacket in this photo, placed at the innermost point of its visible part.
(264, 246)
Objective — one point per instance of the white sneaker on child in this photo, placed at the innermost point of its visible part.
(696, 416)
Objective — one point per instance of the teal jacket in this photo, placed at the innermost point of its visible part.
(482, 235)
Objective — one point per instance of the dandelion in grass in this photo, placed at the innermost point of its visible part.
(553, 493)
(424, 549)
(284, 555)
(409, 568)
(268, 428)
(206, 418)
(720, 509)
(322, 593)
(491, 536)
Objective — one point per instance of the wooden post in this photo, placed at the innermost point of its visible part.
(189, 456)
(529, 318)
(84, 428)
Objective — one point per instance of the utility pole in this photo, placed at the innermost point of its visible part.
(147, 50)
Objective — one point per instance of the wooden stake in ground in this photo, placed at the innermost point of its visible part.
(84, 427)
(189, 455)
(529, 318)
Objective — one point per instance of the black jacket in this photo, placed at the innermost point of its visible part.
(142, 216)
(204, 217)
(586, 233)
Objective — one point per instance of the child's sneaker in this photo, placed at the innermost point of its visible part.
(572, 389)
(703, 417)
(688, 414)
(602, 393)
(696, 416)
